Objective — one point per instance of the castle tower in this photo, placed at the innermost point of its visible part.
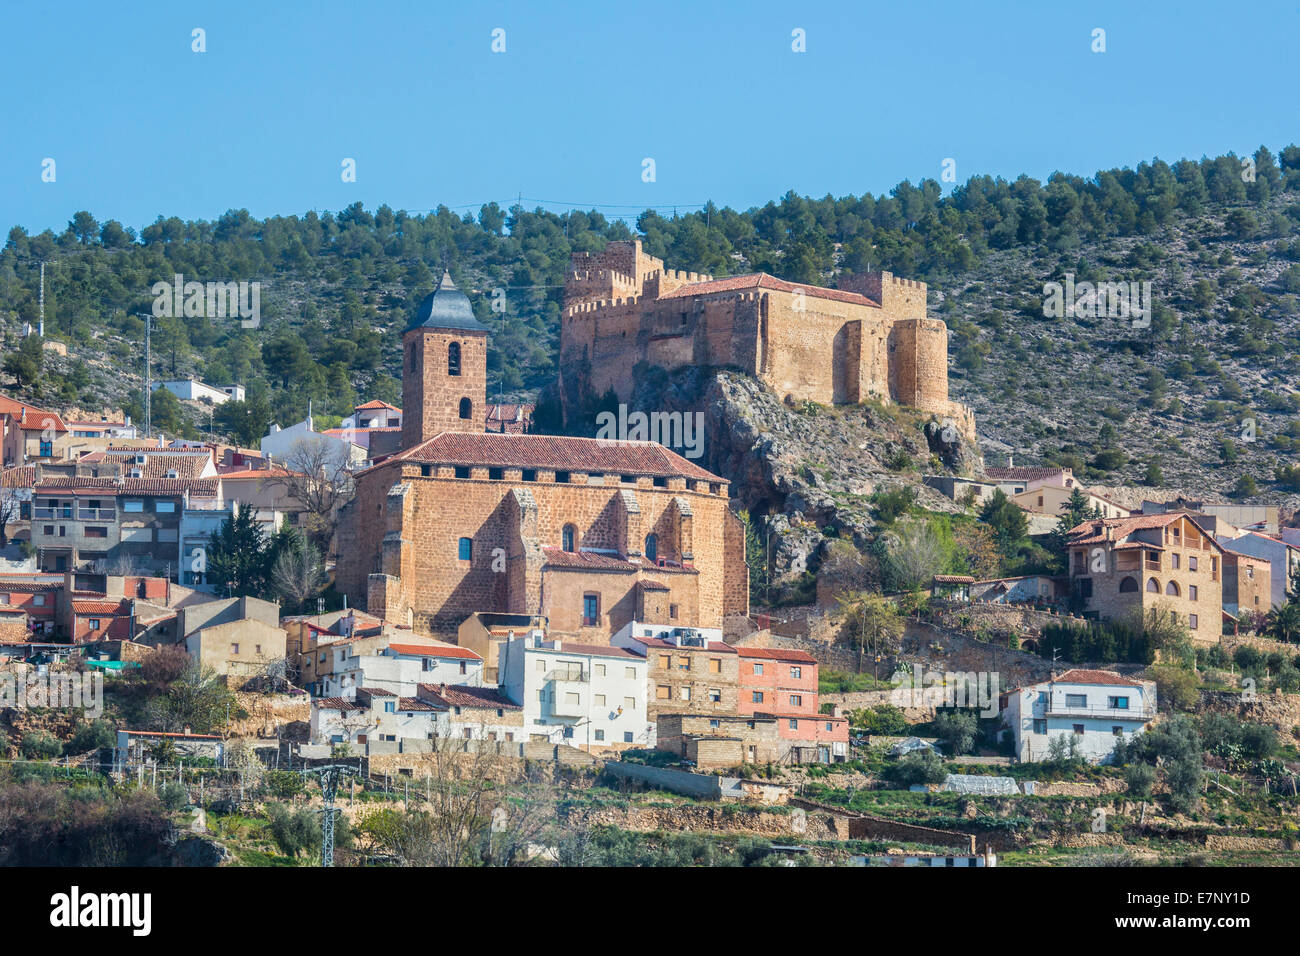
(444, 367)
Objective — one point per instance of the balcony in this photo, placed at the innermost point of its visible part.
(1144, 711)
(97, 514)
(564, 683)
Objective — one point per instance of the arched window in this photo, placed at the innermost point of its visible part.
(453, 359)
(652, 547)
(1153, 586)
(466, 408)
(1172, 589)
(1128, 585)
(569, 538)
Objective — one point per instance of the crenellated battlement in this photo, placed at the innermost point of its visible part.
(623, 308)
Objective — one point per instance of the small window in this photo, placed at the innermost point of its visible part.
(453, 359)
(1191, 563)
(1040, 726)
(1117, 703)
(1193, 621)
(794, 723)
(568, 537)
(1117, 731)
(590, 610)
(133, 506)
(672, 612)
(663, 692)
(465, 551)
(466, 408)
(390, 707)
(164, 507)
(234, 649)
(758, 669)
(461, 472)
(627, 736)
(629, 673)
(1173, 561)
(652, 547)
(496, 474)
(1076, 700)
(1192, 592)
(94, 624)
(757, 697)
(715, 695)
(600, 735)
(715, 665)
(796, 700)
(796, 672)
(1078, 730)
(561, 477)
(529, 474)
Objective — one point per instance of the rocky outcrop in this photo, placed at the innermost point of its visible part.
(807, 472)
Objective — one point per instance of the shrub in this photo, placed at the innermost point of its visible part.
(173, 796)
(95, 735)
(40, 745)
(292, 832)
(1139, 778)
(956, 729)
(284, 784)
(885, 719)
(925, 767)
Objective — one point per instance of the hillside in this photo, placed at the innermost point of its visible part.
(1218, 242)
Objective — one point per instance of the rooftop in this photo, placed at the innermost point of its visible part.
(556, 453)
(446, 307)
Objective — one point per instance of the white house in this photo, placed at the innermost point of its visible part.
(281, 443)
(193, 390)
(440, 663)
(377, 720)
(401, 667)
(477, 713)
(1283, 559)
(585, 695)
(375, 414)
(1095, 708)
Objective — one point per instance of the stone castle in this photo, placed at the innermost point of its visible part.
(870, 338)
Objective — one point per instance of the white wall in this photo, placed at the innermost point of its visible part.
(1097, 717)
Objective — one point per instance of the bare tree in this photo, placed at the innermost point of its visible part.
(10, 509)
(316, 476)
(298, 575)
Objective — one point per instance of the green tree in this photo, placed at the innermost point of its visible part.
(237, 556)
(1008, 521)
(873, 622)
(956, 730)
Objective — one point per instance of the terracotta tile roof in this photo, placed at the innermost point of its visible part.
(336, 703)
(554, 452)
(588, 561)
(98, 607)
(654, 586)
(434, 650)
(375, 692)
(414, 703)
(165, 487)
(954, 579)
(21, 476)
(761, 280)
(461, 695)
(1023, 473)
(240, 474)
(1109, 678)
(776, 654)
(1093, 531)
(36, 417)
(186, 464)
(376, 403)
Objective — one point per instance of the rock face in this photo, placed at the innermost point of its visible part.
(806, 473)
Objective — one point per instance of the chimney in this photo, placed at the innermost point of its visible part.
(187, 730)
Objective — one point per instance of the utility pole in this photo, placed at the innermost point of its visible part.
(329, 785)
(148, 375)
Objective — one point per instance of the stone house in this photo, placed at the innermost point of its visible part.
(688, 670)
(1123, 567)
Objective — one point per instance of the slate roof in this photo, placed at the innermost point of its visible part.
(446, 307)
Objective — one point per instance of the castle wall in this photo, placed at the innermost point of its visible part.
(804, 347)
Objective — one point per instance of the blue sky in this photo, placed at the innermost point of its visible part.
(139, 125)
